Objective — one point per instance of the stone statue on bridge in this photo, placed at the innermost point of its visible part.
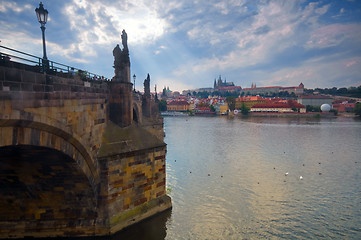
(121, 60)
(124, 39)
(117, 53)
(147, 86)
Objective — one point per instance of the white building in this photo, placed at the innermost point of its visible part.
(314, 100)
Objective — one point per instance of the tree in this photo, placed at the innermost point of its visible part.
(203, 104)
(335, 112)
(357, 109)
(244, 109)
(284, 94)
(310, 108)
(231, 101)
(349, 92)
(162, 105)
(203, 94)
(341, 91)
(212, 108)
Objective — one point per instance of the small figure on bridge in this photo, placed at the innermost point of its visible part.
(117, 53)
(124, 40)
(147, 86)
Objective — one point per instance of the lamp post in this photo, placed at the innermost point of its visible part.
(134, 77)
(42, 15)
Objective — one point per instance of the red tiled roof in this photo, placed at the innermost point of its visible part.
(344, 104)
(298, 105)
(178, 103)
(284, 88)
(261, 88)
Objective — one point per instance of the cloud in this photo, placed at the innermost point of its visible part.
(317, 72)
(160, 49)
(351, 63)
(98, 23)
(262, 30)
(253, 43)
(191, 42)
(334, 35)
(6, 7)
(173, 83)
(279, 32)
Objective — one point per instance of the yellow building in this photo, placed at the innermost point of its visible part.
(178, 106)
(223, 109)
(192, 106)
(249, 102)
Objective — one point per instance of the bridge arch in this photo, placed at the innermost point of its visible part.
(26, 132)
(43, 188)
(48, 180)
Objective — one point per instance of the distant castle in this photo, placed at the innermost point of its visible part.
(254, 90)
(220, 83)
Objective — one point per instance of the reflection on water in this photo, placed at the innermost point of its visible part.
(228, 178)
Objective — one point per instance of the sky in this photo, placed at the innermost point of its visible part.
(187, 44)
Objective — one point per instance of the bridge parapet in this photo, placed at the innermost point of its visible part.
(13, 79)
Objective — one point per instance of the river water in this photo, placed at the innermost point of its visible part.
(227, 179)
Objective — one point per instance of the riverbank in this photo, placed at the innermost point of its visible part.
(269, 114)
(295, 115)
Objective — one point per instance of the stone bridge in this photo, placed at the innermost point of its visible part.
(78, 157)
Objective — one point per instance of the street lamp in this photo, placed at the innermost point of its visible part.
(134, 77)
(42, 15)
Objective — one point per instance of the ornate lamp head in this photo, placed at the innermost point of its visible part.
(42, 14)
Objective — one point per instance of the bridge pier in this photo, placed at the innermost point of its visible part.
(132, 163)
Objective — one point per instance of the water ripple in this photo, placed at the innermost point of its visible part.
(229, 181)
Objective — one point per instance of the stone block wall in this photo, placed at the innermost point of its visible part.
(120, 103)
(133, 185)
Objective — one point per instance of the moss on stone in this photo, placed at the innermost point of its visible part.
(139, 210)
